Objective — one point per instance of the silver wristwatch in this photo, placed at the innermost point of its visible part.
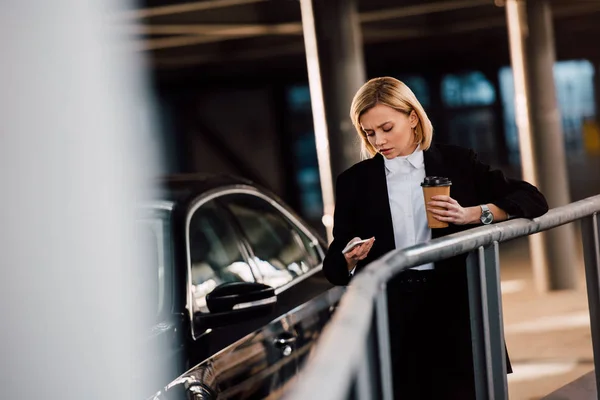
(486, 215)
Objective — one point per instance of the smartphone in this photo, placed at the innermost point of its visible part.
(352, 245)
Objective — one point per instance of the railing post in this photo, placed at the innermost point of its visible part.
(591, 254)
(366, 380)
(383, 341)
(487, 330)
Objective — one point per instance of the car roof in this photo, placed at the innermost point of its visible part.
(179, 191)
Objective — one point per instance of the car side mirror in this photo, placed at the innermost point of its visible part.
(239, 295)
(235, 302)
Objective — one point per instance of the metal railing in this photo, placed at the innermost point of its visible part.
(352, 357)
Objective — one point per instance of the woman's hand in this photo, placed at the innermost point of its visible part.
(446, 209)
(360, 252)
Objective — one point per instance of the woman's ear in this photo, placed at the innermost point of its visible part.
(413, 118)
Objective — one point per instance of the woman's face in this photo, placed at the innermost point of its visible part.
(390, 132)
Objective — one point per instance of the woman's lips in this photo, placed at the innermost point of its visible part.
(383, 151)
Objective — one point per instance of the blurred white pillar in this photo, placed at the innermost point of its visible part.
(73, 152)
(541, 137)
(333, 44)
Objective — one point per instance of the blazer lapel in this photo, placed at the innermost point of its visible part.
(434, 165)
(380, 206)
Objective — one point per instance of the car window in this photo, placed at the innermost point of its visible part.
(215, 253)
(281, 250)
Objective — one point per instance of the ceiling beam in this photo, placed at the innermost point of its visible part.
(382, 35)
(291, 28)
(179, 41)
(420, 9)
(189, 38)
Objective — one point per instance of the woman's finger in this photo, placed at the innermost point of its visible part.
(364, 249)
(441, 197)
(362, 255)
(437, 211)
(440, 204)
(352, 254)
(356, 252)
(453, 206)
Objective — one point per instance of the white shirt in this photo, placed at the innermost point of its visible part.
(404, 175)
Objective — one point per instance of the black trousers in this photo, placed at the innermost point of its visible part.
(430, 339)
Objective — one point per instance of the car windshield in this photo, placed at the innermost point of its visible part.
(154, 240)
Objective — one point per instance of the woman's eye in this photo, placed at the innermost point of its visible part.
(369, 133)
(387, 129)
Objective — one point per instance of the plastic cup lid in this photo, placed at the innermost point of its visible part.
(436, 181)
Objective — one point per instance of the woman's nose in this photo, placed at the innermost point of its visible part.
(379, 140)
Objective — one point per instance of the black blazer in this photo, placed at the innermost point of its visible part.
(363, 210)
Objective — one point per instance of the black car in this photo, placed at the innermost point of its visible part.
(240, 294)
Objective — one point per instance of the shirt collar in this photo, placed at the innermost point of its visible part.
(416, 160)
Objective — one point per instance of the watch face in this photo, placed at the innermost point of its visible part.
(487, 217)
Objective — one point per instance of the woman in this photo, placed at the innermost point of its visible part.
(381, 199)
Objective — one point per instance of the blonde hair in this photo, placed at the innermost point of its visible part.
(395, 94)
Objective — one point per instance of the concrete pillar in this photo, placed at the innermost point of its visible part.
(335, 60)
(340, 45)
(541, 137)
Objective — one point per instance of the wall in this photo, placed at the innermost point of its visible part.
(231, 131)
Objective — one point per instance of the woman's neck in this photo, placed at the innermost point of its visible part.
(409, 152)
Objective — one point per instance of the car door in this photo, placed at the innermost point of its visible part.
(289, 258)
(218, 255)
(257, 366)
(250, 368)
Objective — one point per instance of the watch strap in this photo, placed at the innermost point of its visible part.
(485, 211)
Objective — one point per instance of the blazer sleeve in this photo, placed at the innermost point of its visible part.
(334, 265)
(518, 198)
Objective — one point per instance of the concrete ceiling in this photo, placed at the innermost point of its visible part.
(197, 35)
